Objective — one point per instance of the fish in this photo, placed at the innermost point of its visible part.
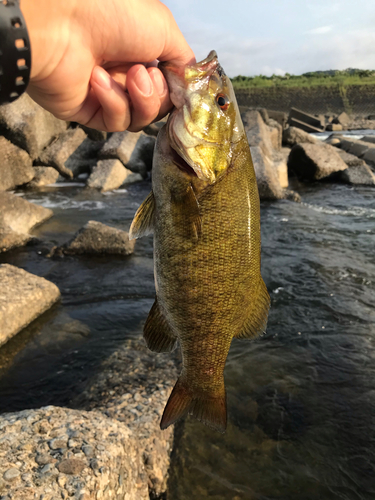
(204, 212)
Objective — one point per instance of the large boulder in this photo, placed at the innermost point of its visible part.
(313, 162)
(349, 159)
(134, 150)
(267, 178)
(268, 158)
(71, 154)
(21, 215)
(97, 238)
(110, 174)
(28, 125)
(10, 239)
(44, 176)
(343, 119)
(23, 297)
(357, 175)
(15, 166)
(294, 135)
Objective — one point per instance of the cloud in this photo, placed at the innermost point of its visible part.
(319, 31)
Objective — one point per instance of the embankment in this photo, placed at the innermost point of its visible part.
(356, 100)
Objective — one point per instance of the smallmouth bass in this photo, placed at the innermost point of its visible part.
(205, 215)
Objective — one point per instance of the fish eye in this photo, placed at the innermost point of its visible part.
(222, 101)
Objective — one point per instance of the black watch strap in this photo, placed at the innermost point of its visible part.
(15, 54)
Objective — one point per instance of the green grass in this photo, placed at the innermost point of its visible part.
(313, 79)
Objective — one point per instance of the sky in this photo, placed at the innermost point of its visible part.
(280, 36)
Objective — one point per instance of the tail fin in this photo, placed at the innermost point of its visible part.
(210, 408)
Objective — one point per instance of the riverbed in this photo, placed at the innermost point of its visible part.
(301, 398)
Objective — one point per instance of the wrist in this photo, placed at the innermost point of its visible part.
(48, 23)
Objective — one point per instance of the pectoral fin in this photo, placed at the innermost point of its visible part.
(186, 213)
(157, 333)
(256, 320)
(142, 224)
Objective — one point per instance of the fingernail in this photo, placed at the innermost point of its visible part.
(159, 82)
(143, 81)
(103, 79)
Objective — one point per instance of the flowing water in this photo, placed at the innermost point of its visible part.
(301, 399)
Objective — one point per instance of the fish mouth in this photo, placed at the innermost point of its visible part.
(182, 164)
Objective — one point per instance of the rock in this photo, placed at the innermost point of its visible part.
(28, 125)
(369, 138)
(257, 132)
(358, 175)
(11, 474)
(15, 166)
(71, 466)
(94, 135)
(141, 159)
(369, 156)
(343, 119)
(278, 116)
(134, 150)
(355, 147)
(335, 127)
(276, 134)
(153, 128)
(293, 135)
(267, 178)
(108, 175)
(120, 146)
(19, 214)
(97, 238)
(23, 297)
(333, 141)
(304, 121)
(10, 239)
(350, 160)
(44, 176)
(312, 162)
(71, 153)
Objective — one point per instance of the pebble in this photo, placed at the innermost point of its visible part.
(71, 466)
(57, 443)
(88, 450)
(11, 474)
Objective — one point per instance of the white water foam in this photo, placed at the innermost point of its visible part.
(66, 203)
(352, 211)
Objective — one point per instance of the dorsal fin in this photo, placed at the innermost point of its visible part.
(157, 333)
(142, 224)
(256, 321)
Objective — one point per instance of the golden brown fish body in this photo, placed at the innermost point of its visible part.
(206, 221)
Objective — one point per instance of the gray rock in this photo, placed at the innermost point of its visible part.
(108, 175)
(141, 158)
(312, 162)
(11, 474)
(97, 238)
(269, 163)
(120, 146)
(71, 153)
(23, 297)
(355, 147)
(267, 179)
(278, 116)
(350, 160)
(335, 127)
(343, 119)
(294, 135)
(44, 176)
(276, 134)
(28, 125)
(71, 466)
(21, 215)
(10, 239)
(94, 135)
(15, 166)
(358, 175)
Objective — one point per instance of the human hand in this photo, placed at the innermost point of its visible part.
(86, 57)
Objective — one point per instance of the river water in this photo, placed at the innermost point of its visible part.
(301, 399)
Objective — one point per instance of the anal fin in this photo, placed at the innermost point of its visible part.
(142, 224)
(256, 321)
(157, 333)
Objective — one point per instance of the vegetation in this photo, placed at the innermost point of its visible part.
(314, 78)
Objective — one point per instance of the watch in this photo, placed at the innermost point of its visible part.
(15, 53)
